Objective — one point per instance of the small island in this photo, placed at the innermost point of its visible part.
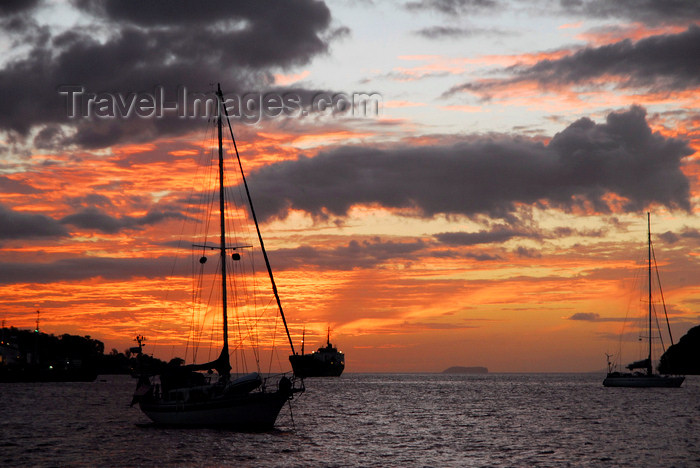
(465, 370)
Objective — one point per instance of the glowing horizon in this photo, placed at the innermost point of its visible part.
(491, 212)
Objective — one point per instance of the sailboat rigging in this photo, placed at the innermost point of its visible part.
(182, 395)
(647, 378)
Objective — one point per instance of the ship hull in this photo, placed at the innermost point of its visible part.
(306, 365)
(643, 381)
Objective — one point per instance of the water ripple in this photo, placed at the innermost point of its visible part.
(371, 420)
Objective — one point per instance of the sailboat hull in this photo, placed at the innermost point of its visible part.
(255, 411)
(643, 381)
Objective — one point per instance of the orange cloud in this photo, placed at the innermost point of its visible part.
(399, 104)
(464, 108)
(285, 80)
(634, 32)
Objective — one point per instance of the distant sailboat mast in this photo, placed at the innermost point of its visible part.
(649, 367)
(639, 379)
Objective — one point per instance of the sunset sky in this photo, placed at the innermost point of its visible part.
(491, 213)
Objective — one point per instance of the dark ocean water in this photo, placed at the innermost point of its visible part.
(394, 420)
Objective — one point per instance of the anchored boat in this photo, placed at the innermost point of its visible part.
(208, 394)
(646, 376)
(327, 361)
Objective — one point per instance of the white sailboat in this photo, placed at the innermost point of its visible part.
(646, 377)
(184, 395)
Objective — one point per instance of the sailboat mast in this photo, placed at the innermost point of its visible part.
(222, 216)
(649, 369)
(255, 220)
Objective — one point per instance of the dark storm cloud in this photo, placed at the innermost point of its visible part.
(452, 7)
(652, 12)
(527, 253)
(76, 269)
(594, 317)
(257, 34)
(686, 233)
(646, 11)
(8, 185)
(489, 176)
(12, 7)
(367, 253)
(479, 257)
(585, 316)
(565, 231)
(498, 235)
(451, 32)
(89, 200)
(131, 47)
(17, 225)
(667, 62)
(93, 218)
(49, 137)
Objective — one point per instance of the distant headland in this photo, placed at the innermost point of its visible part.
(33, 356)
(465, 370)
(683, 358)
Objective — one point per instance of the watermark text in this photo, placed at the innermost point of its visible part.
(250, 108)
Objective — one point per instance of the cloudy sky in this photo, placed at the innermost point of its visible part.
(489, 208)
